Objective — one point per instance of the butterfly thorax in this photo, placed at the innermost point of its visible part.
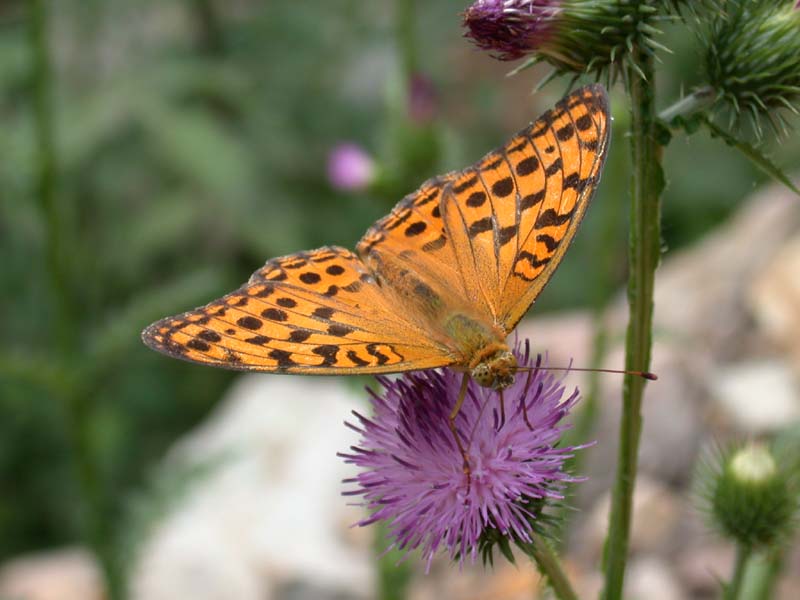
(489, 360)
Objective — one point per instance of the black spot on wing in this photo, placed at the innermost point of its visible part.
(323, 312)
(506, 234)
(328, 354)
(550, 217)
(436, 244)
(479, 226)
(356, 359)
(249, 322)
(532, 200)
(503, 187)
(283, 358)
(196, 344)
(554, 168)
(476, 199)
(527, 166)
(466, 184)
(415, 228)
(209, 336)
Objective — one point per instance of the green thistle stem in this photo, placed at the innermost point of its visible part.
(394, 576)
(72, 395)
(761, 574)
(733, 589)
(546, 559)
(406, 46)
(47, 170)
(646, 186)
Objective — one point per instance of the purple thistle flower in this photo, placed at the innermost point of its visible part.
(511, 28)
(350, 168)
(412, 474)
(422, 99)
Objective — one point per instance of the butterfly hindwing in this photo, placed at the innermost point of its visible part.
(317, 312)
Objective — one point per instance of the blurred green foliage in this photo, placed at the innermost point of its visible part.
(190, 144)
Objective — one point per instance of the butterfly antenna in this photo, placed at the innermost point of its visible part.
(643, 374)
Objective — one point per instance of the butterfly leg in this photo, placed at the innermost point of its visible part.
(462, 394)
(523, 399)
(502, 411)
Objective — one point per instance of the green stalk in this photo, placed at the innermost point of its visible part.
(733, 589)
(212, 37)
(762, 573)
(549, 566)
(394, 576)
(646, 186)
(47, 171)
(406, 46)
(70, 392)
(700, 99)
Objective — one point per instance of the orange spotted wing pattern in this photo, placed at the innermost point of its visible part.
(481, 242)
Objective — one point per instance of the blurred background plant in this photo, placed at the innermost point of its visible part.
(156, 152)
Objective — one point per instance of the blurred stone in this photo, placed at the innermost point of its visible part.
(474, 582)
(564, 336)
(657, 514)
(69, 574)
(271, 515)
(701, 567)
(789, 581)
(775, 300)
(701, 292)
(651, 578)
(671, 419)
(757, 396)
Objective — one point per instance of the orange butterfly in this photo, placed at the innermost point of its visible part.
(440, 281)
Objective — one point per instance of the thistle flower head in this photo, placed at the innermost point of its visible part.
(422, 99)
(412, 473)
(575, 36)
(748, 495)
(510, 28)
(350, 168)
(752, 59)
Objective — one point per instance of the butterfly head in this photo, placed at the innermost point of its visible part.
(496, 371)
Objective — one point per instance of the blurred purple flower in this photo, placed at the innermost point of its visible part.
(412, 475)
(350, 167)
(422, 99)
(511, 28)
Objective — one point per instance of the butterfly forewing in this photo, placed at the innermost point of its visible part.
(311, 312)
(557, 164)
(511, 216)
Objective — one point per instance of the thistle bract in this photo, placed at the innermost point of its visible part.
(412, 470)
(752, 60)
(578, 36)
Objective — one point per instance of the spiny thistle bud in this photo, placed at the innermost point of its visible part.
(752, 59)
(748, 496)
(592, 36)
